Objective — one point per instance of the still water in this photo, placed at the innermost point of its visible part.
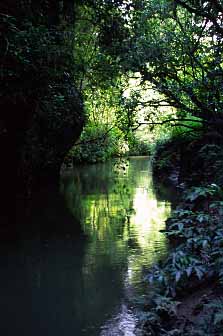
(86, 283)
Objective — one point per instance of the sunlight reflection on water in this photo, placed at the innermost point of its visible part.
(58, 281)
(122, 217)
(124, 323)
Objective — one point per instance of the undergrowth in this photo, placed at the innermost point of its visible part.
(196, 232)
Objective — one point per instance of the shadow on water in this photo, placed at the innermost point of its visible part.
(41, 280)
(45, 288)
(78, 268)
(48, 216)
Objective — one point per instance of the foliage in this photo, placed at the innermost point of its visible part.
(41, 109)
(197, 238)
(139, 147)
(169, 55)
(211, 158)
(189, 160)
(169, 52)
(217, 305)
(167, 154)
(143, 63)
(183, 57)
(135, 63)
(196, 193)
(32, 52)
(98, 144)
(100, 78)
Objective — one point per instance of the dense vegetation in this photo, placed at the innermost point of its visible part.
(121, 66)
(188, 295)
(132, 63)
(149, 63)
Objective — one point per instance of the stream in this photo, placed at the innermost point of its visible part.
(86, 283)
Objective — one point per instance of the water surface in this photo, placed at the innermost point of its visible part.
(122, 218)
(63, 282)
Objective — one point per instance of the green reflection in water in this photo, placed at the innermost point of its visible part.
(121, 216)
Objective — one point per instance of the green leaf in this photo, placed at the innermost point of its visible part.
(218, 318)
(189, 271)
(199, 272)
(178, 276)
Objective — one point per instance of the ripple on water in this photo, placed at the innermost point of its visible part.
(123, 324)
(122, 216)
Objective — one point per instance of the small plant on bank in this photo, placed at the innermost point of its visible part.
(217, 307)
(196, 232)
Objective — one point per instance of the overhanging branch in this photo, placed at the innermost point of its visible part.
(204, 14)
(177, 122)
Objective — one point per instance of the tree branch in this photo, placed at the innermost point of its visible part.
(173, 125)
(203, 14)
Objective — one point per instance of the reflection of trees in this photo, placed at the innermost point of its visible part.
(94, 179)
(165, 191)
(45, 289)
(119, 209)
(105, 200)
(49, 215)
(75, 284)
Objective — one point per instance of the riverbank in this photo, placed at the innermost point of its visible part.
(188, 299)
